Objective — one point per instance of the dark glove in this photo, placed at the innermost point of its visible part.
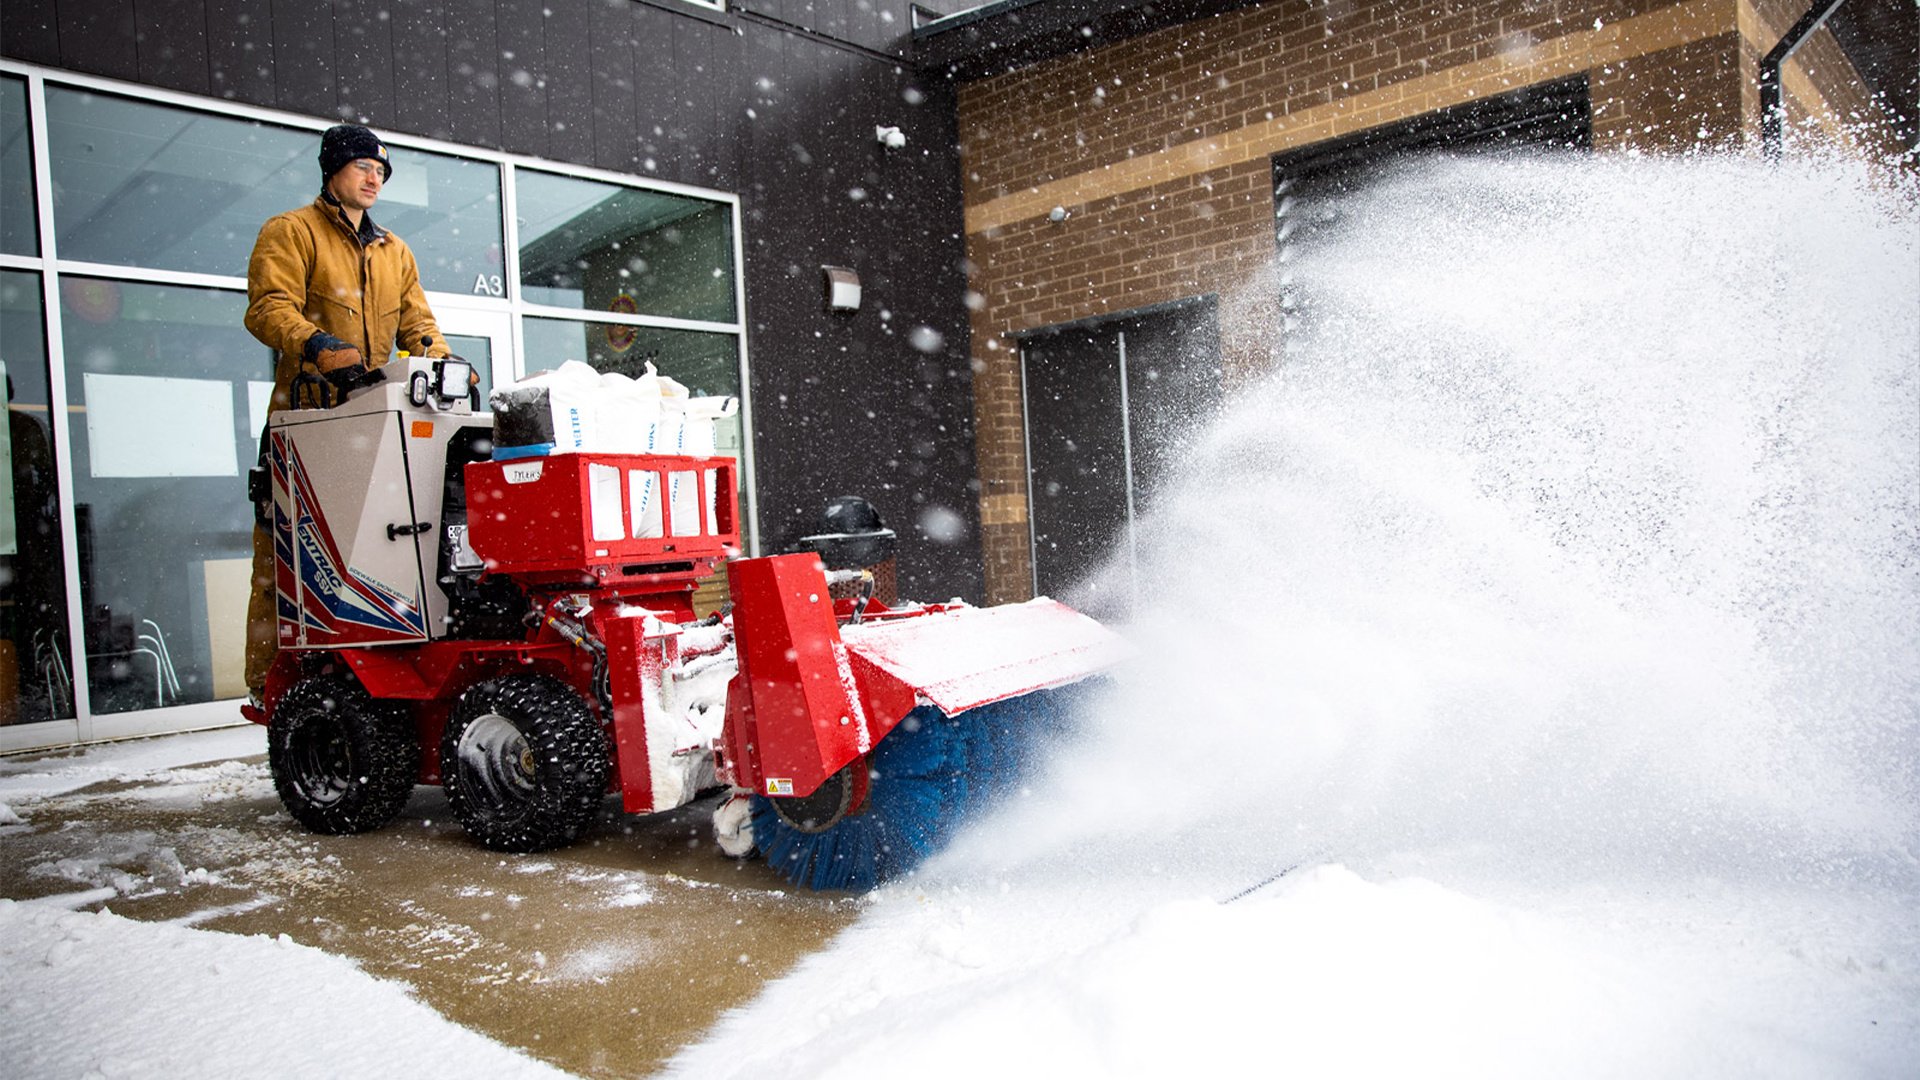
(329, 354)
(340, 363)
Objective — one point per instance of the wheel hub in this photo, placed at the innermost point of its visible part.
(496, 757)
(822, 810)
(323, 762)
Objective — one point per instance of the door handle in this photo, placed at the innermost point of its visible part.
(395, 532)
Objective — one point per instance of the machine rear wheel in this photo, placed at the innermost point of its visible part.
(341, 761)
(524, 762)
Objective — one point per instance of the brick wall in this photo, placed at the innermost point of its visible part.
(1159, 149)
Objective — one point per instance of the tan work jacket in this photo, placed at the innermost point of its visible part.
(311, 272)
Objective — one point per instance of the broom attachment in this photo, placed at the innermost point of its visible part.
(867, 745)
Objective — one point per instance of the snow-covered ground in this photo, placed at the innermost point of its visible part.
(1555, 710)
(1332, 972)
(90, 994)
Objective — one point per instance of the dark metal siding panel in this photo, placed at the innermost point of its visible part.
(570, 82)
(656, 33)
(783, 284)
(880, 25)
(772, 9)
(702, 106)
(172, 42)
(98, 38)
(523, 76)
(303, 60)
(473, 73)
(420, 33)
(726, 87)
(30, 32)
(660, 99)
(844, 404)
(559, 73)
(365, 56)
(240, 50)
(911, 230)
(615, 107)
(831, 18)
(876, 25)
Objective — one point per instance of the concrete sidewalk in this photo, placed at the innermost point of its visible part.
(602, 958)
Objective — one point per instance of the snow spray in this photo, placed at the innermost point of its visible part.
(1576, 528)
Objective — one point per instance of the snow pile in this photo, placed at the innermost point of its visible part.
(1562, 648)
(1327, 973)
(1579, 522)
(165, 1000)
(43, 775)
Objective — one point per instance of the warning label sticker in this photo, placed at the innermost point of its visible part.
(779, 786)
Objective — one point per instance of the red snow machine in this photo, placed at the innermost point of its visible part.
(524, 632)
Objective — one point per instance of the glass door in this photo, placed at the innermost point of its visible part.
(483, 338)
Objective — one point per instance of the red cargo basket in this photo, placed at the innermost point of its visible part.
(603, 517)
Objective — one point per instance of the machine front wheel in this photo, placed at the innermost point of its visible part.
(524, 762)
(341, 761)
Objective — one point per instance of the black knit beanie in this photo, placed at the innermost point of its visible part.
(345, 143)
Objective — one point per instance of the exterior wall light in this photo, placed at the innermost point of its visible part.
(843, 288)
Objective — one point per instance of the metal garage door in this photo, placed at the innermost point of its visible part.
(1110, 404)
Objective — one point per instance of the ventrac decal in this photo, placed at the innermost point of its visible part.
(341, 603)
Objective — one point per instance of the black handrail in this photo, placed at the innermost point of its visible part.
(1773, 110)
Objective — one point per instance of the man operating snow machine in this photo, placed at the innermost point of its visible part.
(332, 294)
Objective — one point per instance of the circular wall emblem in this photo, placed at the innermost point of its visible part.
(620, 338)
(92, 300)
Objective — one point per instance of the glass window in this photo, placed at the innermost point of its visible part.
(147, 185)
(19, 235)
(168, 189)
(707, 364)
(35, 677)
(170, 394)
(447, 209)
(603, 247)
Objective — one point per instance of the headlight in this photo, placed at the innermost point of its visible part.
(453, 378)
